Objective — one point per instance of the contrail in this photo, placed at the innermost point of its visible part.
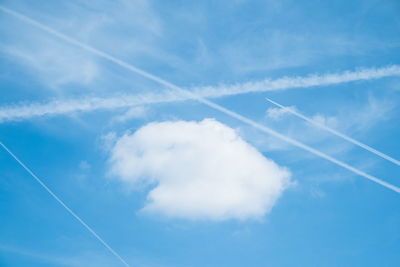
(297, 82)
(192, 95)
(64, 205)
(341, 135)
(57, 107)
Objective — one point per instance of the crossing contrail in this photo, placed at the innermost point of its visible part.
(333, 131)
(37, 179)
(200, 99)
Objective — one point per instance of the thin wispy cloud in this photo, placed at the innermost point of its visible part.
(366, 117)
(277, 113)
(59, 66)
(335, 132)
(66, 106)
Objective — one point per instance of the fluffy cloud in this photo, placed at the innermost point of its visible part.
(198, 170)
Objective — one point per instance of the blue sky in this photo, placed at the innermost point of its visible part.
(168, 181)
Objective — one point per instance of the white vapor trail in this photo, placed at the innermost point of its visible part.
(37, 179)
(201, 99)
(26, 111)
(341, 135)
(298, 82)
(56, 107)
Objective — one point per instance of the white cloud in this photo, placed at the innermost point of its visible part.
(199, 170)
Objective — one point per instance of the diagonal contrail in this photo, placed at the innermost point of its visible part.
(37, 179)
(341, 135)
(209, 103)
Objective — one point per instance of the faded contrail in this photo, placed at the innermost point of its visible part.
(64, 205)
(341, 135)
(192, 95)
